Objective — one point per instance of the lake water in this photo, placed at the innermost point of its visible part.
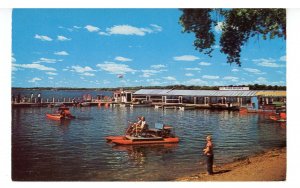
(44, 149)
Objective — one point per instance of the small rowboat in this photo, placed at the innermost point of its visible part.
(62, 114)
(130, 140)
(59, 117)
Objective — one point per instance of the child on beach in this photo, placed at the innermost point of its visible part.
(208, 152)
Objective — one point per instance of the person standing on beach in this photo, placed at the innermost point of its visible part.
(208, 152)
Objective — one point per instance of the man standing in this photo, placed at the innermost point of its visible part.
(208, 152)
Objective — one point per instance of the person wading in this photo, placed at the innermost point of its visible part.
(208, 152)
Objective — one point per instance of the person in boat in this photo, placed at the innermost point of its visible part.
(65, 112)
(133, 126)
(208, 152)
(142, 126)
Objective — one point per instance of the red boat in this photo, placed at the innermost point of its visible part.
(161, 134)
(281, 117)
(63, 113)
(130, 140)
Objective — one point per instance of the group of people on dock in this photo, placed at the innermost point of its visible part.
(31, 99)
(138, 127)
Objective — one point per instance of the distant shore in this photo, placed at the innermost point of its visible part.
(269, 166)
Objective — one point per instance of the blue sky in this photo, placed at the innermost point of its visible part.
(91, 47)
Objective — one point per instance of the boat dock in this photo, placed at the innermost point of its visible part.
(241, 99)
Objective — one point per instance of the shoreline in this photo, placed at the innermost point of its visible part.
(267, 166)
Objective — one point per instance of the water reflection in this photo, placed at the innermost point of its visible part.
(138, 154)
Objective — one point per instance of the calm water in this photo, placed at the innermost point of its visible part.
(44, 149)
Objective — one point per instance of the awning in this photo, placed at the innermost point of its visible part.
(271, 93)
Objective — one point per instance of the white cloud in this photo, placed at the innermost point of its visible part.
(148, 73)
(170, 78)
(282, 58)
(185, 58)
(156, 27)
(80, 69)
(210, 77)
(235, 70)
(35, 66)
(61, 53)
(114, 68)
(204, 64)
(196, 81)
(267, 63)
(193, 69)
(128, 30)
(88, 74)
(42, 37)
(261, 80)
(34, 79)
(46, 60)
(153, 81)
(51, 73)
(91, 28)
(76, 27)
(62, 38)
(13, 59)
(50, 78)
(103, 33)
(254, 71)
(189, 74)
(158, 66)
(122, 59)
(231, 78)
(219, 26)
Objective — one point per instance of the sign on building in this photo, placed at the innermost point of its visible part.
(234, 88)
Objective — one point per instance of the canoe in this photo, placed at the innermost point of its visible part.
(129, 140)
(58, 117)
(54, 116)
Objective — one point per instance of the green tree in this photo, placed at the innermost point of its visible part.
(237, 26)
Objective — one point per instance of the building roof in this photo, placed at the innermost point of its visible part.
(271, 93)
(209, 93)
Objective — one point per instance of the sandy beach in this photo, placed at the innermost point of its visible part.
(269, 166)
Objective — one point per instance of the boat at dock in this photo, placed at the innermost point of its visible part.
(280, 117)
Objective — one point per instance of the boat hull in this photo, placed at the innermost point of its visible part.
(126, 141)
(53, 116)
(58, 117)
(110, 138)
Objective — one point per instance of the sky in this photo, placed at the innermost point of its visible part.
(104, 48)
